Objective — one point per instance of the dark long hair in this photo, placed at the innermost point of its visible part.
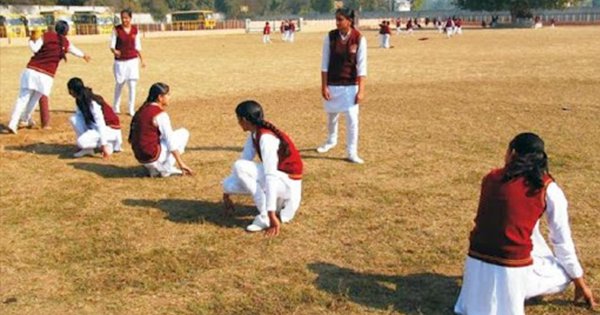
(84, 97)
(62, 29)
(127, 11)
(347, 13)
(253, 112)
(529, 160)
(156, 90)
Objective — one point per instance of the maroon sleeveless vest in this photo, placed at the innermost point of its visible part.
(144, 136)
(342, 58)
(126, 43)
(291, 164)
(47, 58)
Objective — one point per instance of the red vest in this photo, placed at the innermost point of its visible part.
(110, 118)
(507, 214)
(291, 164)
(47, 58)
(126, 43)
(342, 58)
(267, 30)
(144, 136)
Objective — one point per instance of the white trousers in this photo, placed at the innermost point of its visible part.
(165, 164)
(266, 38)
(90, 138)
(24, 107)
(496, 290)
(449, 31)
(131, 102)
(386, 40)
(248, 178)
(351, 129)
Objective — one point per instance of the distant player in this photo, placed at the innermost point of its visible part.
(267, 33)
(126, 46)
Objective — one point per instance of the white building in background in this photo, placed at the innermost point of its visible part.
(402, 5)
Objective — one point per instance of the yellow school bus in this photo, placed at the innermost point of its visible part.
(11, 26)
(193, 20)
(34, 24)
(93, 22)
(54, 16)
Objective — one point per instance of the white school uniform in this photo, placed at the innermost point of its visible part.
(33, 85)
(170, 140)
(270, 188)
(98, 133)
(126, 71)
(343, 99)
(498, 290)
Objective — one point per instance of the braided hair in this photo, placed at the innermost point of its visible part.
(346, 13)
(62, 29)
(252, 111)
(84, 97)
(530, 160)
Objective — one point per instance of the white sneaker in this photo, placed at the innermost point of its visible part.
(326, 147)
(12, 129)
(355, 159)
(27, 124)
(84, 152)
(261, 222)
(171, 172)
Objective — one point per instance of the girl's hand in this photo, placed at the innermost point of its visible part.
(117, 53)
(583, 292)
(325, 93)
(359, 97)
(275, 225)
(186, 170)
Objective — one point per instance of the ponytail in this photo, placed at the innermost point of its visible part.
(253, 112)
(83, 98)
(529, 160)
(62, 29)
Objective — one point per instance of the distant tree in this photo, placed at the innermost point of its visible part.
(70, 2)
(157, 8)
(596, 3)
(321, 6)
(517, 8)
(417, 4)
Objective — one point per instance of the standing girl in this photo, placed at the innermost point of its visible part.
(509, 260)
(152, 138)
(38, 77)
(126, 45)
(267, 33)
(276, 183)
(35, 44)
(94, 122)
(343, 73)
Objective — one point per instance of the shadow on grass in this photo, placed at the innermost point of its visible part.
(422, 293)
(215, 148)
(322, 157)
(63, 151)
(195, 211)
(111, 171)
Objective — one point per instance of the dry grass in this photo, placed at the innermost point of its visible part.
(89, 236)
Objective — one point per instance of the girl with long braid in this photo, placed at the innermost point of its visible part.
(509, 260)
(94, 122)
(154, 143)
(38, 77)
(343, 74)
(275, 184)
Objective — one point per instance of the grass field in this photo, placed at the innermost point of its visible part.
(88, 236)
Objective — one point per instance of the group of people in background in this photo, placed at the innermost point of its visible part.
(508, 259)
(287, 28)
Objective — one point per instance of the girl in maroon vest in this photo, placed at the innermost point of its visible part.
(126, 45)
(276, 183)
(267, 33)
(152, 138)
(94, 122)
(343, 74)
(38, 77)
(509, 260)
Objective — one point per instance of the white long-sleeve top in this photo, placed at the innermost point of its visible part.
(361, 56)
(163, 122)
(99, 124)
(113, 41)
(36, 45)
(269, 145)
(557, 218)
